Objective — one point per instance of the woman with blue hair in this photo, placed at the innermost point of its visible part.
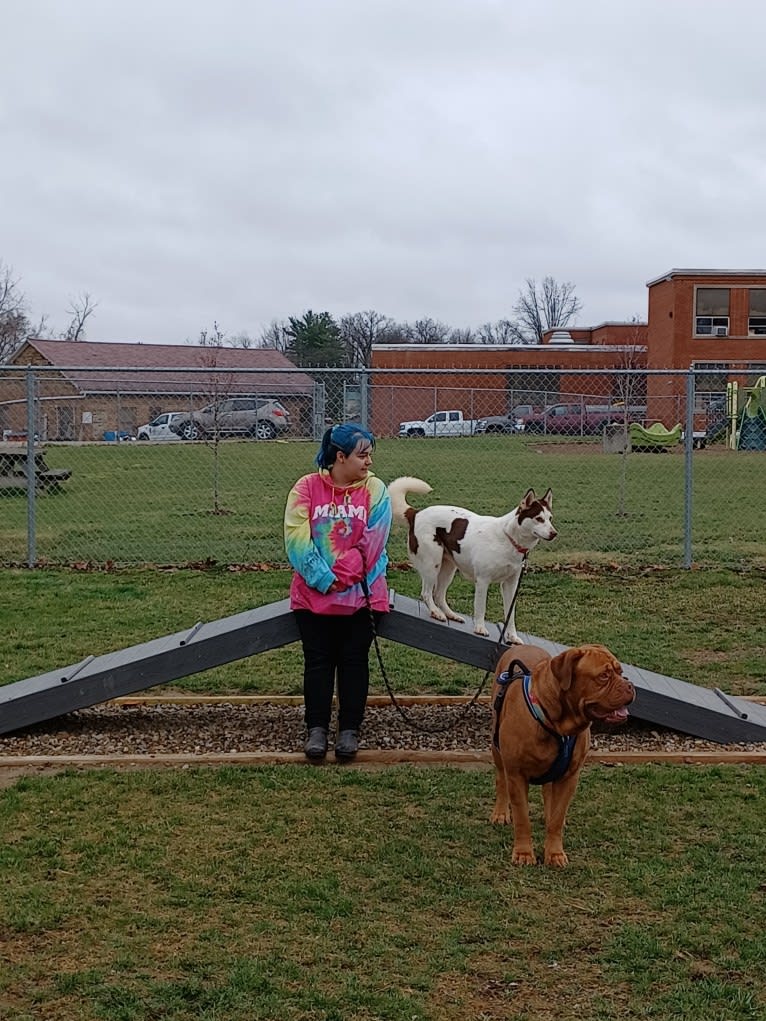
(337, 521)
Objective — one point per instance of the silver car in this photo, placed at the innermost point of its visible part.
(258, 417)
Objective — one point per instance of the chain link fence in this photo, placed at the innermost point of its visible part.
(160, 466)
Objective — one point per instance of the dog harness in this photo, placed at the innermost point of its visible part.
(566, 743)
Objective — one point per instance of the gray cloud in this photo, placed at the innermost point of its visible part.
(247, 160)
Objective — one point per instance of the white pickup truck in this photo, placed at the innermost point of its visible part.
(441, 423)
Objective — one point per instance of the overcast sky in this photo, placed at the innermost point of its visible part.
(246, 160)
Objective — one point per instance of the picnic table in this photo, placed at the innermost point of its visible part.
(13, 468)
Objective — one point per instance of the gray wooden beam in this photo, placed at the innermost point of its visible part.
(410, 623)
(101, 678)
(662, 700)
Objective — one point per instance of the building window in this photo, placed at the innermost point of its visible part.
(756, 321)
(712, 312)
(710, 380)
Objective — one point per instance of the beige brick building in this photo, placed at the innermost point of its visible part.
(97, 390)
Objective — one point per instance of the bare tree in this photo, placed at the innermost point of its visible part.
(545, 307)
(42, 329)
(242, 340)
(630, 386)
(14, 321)
(211, 338)
(80, 310)
(461, 335)
(501, 332)
(275, 336)
(429, 331)
(359, 331)
(396, 333)
(217, 388)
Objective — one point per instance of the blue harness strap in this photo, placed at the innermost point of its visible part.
(566, 744)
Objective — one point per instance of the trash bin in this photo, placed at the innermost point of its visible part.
(616, 439)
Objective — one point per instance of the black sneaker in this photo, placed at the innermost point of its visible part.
(316, 743)
(347, 745)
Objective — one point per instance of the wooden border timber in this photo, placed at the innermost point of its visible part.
(372, 700)
(370, 757)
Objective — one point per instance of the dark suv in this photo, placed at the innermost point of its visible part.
(257, 417)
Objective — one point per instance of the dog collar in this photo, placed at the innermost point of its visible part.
(519, 549)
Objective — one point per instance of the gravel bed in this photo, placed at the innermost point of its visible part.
(223, 728)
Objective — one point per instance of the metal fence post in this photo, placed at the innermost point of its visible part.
(364, 397)
(31, 474)
(688, 467)
(320, 402)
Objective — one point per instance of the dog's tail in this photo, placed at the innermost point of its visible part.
(399, 488)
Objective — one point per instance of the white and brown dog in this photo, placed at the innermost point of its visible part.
(484, 549)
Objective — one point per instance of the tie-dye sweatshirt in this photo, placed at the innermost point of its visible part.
(330, 531)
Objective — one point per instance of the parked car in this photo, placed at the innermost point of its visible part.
(497, 424)
(161, 427)
(258, 417)
(441, 423)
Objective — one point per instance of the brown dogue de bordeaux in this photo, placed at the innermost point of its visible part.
(543, 709)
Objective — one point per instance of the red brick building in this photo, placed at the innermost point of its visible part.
(710, 319)
(540, 373)
(706, 315)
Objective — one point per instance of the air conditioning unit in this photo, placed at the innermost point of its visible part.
(720, 331)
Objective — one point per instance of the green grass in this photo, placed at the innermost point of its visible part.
(147, 503)
(341, 895)
(705, 627)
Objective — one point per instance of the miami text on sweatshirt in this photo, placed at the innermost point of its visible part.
(331, 533)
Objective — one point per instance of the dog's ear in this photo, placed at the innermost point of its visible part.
(563, 667)
(548, 499)
(529, 498)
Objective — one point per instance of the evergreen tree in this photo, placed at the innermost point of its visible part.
(315, 340)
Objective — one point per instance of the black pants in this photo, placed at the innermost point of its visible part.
(335, 646)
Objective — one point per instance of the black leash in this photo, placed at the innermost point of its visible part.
(407, 718)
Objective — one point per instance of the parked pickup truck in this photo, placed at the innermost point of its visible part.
(579, 419)
(441, 423)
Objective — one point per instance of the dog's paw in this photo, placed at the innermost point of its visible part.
(455, 616)
(523, 856)
(481, 630)
(500, 818)
(557, 859)
(512, 640)
(438, 615)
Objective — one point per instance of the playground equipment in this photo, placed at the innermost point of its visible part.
(688, 708)
(751, 434)
(654, 437)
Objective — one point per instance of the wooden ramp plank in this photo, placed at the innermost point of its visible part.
(142, 666)
(665, 701)
(688, 708)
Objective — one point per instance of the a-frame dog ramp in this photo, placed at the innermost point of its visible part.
(662, 700)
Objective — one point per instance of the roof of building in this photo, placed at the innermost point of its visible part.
(97, 367)
(614, 322)
(706, 273)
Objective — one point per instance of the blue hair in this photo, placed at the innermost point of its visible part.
(344, 438)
